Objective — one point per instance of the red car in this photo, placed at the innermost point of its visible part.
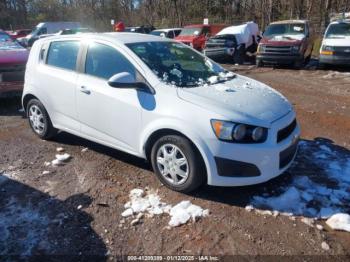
(286, 42)
(13, 60)
(197, 35)
(20, 33)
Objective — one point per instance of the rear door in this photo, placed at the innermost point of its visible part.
(57, 79)
(107, 114)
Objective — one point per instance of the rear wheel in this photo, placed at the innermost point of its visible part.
(39, 120)
(177, 163)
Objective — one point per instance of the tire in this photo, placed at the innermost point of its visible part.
(259, 63)
(39, 120)
(322, 66)
(298, 64)
(182, 176)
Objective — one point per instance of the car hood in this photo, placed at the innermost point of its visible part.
(281, 40)
(185, 38)
(12, 53)
(241, 99)
(337, 41)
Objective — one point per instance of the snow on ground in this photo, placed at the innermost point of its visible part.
(339, 222)
(21, 222)
(151, 204)
(336, 74)
(60, 159)
(319, 187)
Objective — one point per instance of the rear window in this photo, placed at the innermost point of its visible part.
(63, 54)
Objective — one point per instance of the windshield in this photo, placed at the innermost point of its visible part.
(338, 30)
(191, 31)
(157, 33)
(4, 37)
(285, 29)
(177, 64)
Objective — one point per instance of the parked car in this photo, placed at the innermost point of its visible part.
(232, 43)
(46, 28)
(13, 59)
(139, 29)
(197, 35)
(20, 33)
(335, 48)
(160, 100)
(286, 42)
(69, 32)
(168, 33)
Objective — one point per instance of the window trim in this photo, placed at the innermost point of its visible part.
(85, 53)
(47, 45)
(82, 62)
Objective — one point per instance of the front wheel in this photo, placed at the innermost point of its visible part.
(259, 63)
(39, 120)
(177, 163)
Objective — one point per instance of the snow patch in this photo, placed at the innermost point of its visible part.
(30, 225)
(320, 194)
(151, 203)
(339, 222)
(60, 159)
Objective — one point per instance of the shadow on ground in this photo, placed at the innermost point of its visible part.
(36, 226)
(11, 106)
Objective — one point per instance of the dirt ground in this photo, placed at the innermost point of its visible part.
(76, 209)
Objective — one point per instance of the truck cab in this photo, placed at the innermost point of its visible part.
(285, 42)
(335, 48)
(46, 28)
(197, 35)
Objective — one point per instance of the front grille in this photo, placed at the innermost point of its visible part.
(278, 50)
(285, 132)
(287, 155)
(342, 50)
(215, 43)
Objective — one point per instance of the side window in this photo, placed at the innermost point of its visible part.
(42, 31)
(63, 54)
(177, 32)
(171, 34)
(104, 61)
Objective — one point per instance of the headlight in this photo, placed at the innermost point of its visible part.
(261, 48)
(327, 48)
(239, 133)
(295, 49)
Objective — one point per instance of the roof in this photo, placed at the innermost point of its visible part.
(290, 22)
(347, 21)
(122, 38)
(166, 29)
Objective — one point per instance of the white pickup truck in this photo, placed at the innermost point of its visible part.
(335, 48)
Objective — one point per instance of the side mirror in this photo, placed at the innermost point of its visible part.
(126, 80)
(162, 35)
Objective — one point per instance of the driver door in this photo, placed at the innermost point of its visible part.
(109, 115)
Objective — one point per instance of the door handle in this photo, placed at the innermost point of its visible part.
(85, 90)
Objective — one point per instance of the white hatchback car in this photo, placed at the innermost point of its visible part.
(162, 101)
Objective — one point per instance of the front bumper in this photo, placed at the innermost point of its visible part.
(219, 53)
(334, 59)
(264, 161)
(279, 59)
